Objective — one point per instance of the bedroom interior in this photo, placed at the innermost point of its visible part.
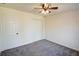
(39, 29)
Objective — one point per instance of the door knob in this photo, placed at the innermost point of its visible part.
(17, 33)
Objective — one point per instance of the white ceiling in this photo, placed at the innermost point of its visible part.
(29, 7)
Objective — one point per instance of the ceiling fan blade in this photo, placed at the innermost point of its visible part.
(53, 8)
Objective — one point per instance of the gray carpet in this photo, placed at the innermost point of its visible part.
(40, 48)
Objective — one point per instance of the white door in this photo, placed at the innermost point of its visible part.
(33, 31)
(10, 28)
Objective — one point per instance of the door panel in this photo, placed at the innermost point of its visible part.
(33, 31)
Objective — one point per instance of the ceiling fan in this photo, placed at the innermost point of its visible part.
(46, 8)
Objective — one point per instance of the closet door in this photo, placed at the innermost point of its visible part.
(33, 30)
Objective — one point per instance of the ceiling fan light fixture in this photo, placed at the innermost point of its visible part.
(45, 12)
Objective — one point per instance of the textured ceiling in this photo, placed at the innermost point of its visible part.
(29, 7)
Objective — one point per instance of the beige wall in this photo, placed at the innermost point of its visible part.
(29, 26)
(63, 28)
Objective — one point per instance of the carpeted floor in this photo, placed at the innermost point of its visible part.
(40, 48)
